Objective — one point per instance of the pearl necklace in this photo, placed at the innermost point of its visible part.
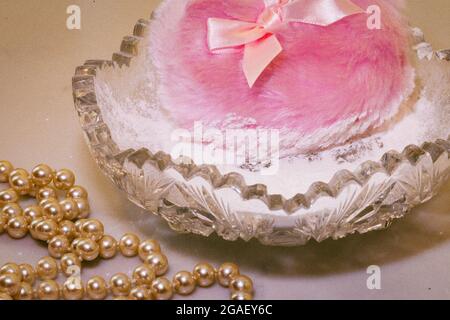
(72, 239)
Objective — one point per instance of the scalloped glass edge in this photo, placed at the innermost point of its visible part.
(411, 177)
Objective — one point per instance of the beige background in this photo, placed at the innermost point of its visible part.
(38, 124)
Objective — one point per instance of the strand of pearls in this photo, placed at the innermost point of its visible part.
(72, 238)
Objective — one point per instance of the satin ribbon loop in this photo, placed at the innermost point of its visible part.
(261, 45)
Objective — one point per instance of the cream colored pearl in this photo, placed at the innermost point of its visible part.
(64, 179)
(159, 263)
(74, 244)
(140, 293)
(32, 227)
(241, 296)
(79, 224)
(31, 213)
(21, 184)
(148, 247)
(204, 274)
(241, 283)
(25, 292)
(44, 230)
(108, 247)
(162, 289)
(28, 274)
(17, 227)
(48, 290)
(11, 268)
(9, 284)
(69, 263)
(19, 172)
(47, 268)
(67, 229)
(226, 273)
(72, 290)
(77, 192)
(96, 288)
(58, 246)
(8, 196)
(46, 193)
(70, 209)
(5, 169)
(184, 283)
(143, 275)
(92, 229)
(120, 285)
(52, 210)
(5, 297)
(11, 210)
(83, 208)
(129, 245)
(87, 249)
(42, 175)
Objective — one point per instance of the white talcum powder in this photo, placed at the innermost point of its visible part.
(128, 99)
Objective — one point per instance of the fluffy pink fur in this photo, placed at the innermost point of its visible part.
(343, 73)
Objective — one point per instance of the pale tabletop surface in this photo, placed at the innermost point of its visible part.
(38, 124)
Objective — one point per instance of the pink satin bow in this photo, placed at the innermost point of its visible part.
(261, 45)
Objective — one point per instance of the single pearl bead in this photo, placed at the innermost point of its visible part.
(47, 268)
(42, 175)
(241, 283)
(11, 268)
(204, 274)
(159, 263)
(140, 293)
(129, 245)
(25, 292)
(31, 213)
(48, 290)
(8, 196)
(143, 275)
(17, 227)
(9, 284)
(52, 210)
(184, 283)
(58, 246)
(19, 172)
(83, 208)
(21, 184)
(162, 289)
(67, 229)
(70, 263)
(73, 290)
(11, 210)
(5, 170)
(79, 224)
(87, 249)
(96, 288)
(226, 272)
(92, 229)
(108, 247)
(28, 274)
(241, 296)
(46, 193)
(120, 285)
(64, 179)
(70, 209)
(77, 192)
(148, 247)
(44, 230)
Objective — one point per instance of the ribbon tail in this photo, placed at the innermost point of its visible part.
(257, 57)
